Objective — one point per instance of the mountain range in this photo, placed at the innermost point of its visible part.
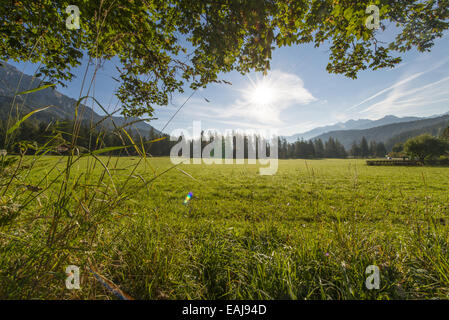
(390, 133)
(63, 107)
(350, 125)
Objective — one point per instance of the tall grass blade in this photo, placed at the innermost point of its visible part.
(36, 89)
(18, 123)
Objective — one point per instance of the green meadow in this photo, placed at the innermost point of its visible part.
(307, 232)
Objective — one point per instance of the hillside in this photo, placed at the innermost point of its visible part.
(63, 105)
(434, 130)
(359, 124)
(397, 132)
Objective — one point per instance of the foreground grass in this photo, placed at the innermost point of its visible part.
(308, 232)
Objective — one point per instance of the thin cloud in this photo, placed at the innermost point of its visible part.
(381, 92)
(401, 99)
(400, 83)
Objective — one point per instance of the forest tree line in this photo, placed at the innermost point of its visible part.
(59, 133)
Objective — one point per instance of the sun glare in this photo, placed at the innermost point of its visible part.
(263, 94)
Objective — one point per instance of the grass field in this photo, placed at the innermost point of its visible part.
(307, 232)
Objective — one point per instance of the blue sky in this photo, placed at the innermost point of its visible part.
(298, 94)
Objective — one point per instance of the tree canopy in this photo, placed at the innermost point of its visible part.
(164, 44)
(445, 134)
(426, 146)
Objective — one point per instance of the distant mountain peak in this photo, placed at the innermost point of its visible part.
(390, 116)
(351, 124)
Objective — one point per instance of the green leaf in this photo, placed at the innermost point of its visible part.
(337, 10)
(384, 10)
(17, 124)
(36, 89)
(104, 150)
(366, 36)
(348, 13)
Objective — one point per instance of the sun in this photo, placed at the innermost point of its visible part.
(262, 93)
